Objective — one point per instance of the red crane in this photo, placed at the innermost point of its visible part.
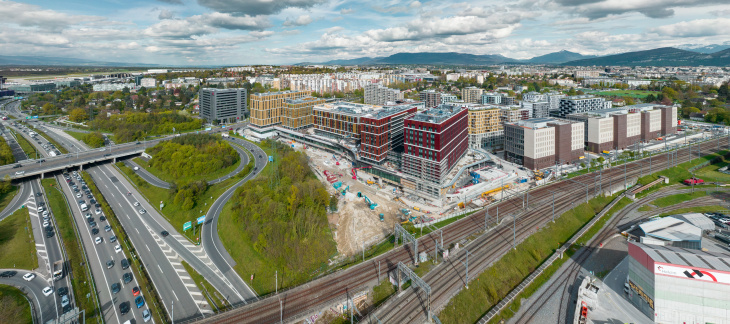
(354, 173)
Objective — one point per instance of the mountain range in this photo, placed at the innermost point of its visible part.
(666, 56)
(62, 61)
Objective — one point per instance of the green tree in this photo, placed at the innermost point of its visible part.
(94, 139)
(78, 115)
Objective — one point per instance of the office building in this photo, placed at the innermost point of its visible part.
(677, 285)
(534, 96)
(491, 98)
(669, 119)
(33, 87)
(299, 113)
(148, 82)
(582, 74)
(430, 97)
(539, 108)
(268, 108)
(381, 130)
(581, 104)
(541, 142)
(445, 98)
(341, 120)
(222, 106)
(435, 139)
(508, 101)
(512, 114)
(377, 94)
(485, 128)
(472, 94)
(553, 98)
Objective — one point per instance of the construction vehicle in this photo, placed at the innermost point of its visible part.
(370, 182)
(354, 171)
(461, 205)
(495, 190)
(370, 202)
(382, 217)
(344, 191)
(475, 177)
(416, 208)
(539, 175)
(337, 184)
(57, 270)
(405, 212)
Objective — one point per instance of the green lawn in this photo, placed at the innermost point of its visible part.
(80, 136)
(699, 209)
(678, 198)
(710, 173)
(17, 247)
(28, 148)
(676, 174)
(81, 281)
(645, 208)
(510, 270)
(624, 93)
(382, 291)
(215, 299)
(15, 307)
(168, 178)
(7, 197)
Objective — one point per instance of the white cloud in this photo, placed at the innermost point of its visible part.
(257, 7)
(695, 28)
(34, 16)
(228, 21)
(346, 11)
(651, 8)
(166, 14)
(302, 20)
(177, 28)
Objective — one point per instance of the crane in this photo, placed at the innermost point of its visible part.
(354, 173)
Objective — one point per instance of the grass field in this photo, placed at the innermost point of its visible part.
(15, 307)
(211, 294)
(168, 178)
(6, 198)
(624, 93)
(676, 174)
(676, 199)
(710, 173)
(81, 281)
(80, 136)
(17, 247)
(699, 209)
(506, 273)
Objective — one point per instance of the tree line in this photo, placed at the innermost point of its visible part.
(133, 126)
(191, 155)
(286, 222)
(6, 154)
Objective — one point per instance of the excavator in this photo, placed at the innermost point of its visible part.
(354, 171)
(370, 202)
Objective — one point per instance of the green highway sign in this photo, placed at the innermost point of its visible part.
(187, 226)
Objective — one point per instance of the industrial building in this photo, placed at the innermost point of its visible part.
(268, 108)
(676, 285)
(670, 231)
(299, 113)
(377, 94)
(541, 142)
(485, 128)
(31, 88)
(435, 139)
(223, 105)
(472, 94)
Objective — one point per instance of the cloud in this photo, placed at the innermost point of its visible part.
(166, 14)
(695, 28)
(34, 16)
(347, 11)
(399, 9)
(498, 26)
(228, 21)
(175, 2)
(651, 8)
(177, 28)
(302, 20)
(257, 7)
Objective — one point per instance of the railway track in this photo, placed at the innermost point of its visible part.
(446, 279)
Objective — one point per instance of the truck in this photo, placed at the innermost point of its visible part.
(84, 207)
(57, 270)
(693, 181)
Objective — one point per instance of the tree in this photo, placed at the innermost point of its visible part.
(94, 139)
(49, 109)
(78, 115)
(650, 98)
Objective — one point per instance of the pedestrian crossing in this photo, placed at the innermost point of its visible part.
(44, 266)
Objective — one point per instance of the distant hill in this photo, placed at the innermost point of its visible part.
(558, 57)
(426, 58)
(44, 60)
(665, 56)
(706, 49)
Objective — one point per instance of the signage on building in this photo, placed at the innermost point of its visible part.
(692, 273)
(641, 293)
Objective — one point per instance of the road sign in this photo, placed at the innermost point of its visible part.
(187, 226)
(271, 158)
(201, 219)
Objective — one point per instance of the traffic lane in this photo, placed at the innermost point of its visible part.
(18, 153)
(146, 175)
(34, 290)
(157, 223)
(19, 200)
(165, 278)
(97, 256)
(53, 249)
(244, 161)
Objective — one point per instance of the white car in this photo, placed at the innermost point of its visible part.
(98, 211)
(28, 276)
(136, 168)
(78, 195)
(47, 291)
(45, 213)
(97, 240)
(46, 223)
(118, 248)
(142, 211)
(136, 203)
(40, 209)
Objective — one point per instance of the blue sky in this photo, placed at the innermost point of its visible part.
(239, 32)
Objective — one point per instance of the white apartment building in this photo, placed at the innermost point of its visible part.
(581, 104)
(148, 82)
(472, 94)
(377, 94)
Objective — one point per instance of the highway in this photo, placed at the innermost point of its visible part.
(34, 291)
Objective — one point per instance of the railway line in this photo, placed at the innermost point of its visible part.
(446, 280)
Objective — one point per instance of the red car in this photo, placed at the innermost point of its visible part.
(135, 291)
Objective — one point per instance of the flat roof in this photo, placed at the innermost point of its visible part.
(438, 114)
(275, 93)
(697, 219)
(686, 257)
(671, 229)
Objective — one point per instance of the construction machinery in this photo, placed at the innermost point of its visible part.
(337, 184)
(382, 217)
(405, 212)
(344, 191)
(416, 208)
(495, 190)
(461, 205)
(354, 171)
(370, 202)
(370, 182)
(539, 175)
(475, 177)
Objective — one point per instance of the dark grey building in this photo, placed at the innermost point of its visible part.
(223, 105)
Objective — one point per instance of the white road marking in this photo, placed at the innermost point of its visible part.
(173, 292)
(148, 249)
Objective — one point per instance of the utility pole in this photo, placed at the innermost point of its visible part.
(281, 312)
(553, 207)
(172, 315)
(514, 231)
(276, 283)
(466, 282)
(625, 162)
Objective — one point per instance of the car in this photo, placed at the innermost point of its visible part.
(89, 219)
(64, 300)
(97, 205)
(109, 264)
(89, 196)
(256, 168)
(48, 228)
(92, 201)
(124, 308)
(8, 274)
(125, 264)
(138, 144)
(102, 218)
(136, 203)
(45, 213)
(116, 287)
(136, 168)
(105, 155)
(92, 224)
(112, 239)
(49, 234)
(78, 195)
(82, 201)
(98, 240)
(97, 211)
(46, 224)
(28, 276)
(118, 248)
(135, 291)
(39, 193)
(142, 211)
(40, 209)
(107, 228)
(127, 277)
(164, 233)
(40, 203)
(47, 291)
(139, 301)
(146, 317)
(94, 231)
(17, 166)
(102, 150)
(19, 173)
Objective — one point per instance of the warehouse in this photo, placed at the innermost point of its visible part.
(676, 285)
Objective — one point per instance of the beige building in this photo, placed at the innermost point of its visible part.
(298, 113)
(472, 94)
(541, 142)
(268, 108)
(485, 126)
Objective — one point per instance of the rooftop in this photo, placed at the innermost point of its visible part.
(437, 115)
(671, 229)
(258, 94)
(686, 257)
(301, 100)
(697, 219)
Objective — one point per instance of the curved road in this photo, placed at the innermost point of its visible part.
(34, 291)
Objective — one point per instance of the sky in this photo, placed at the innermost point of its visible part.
(245, 32)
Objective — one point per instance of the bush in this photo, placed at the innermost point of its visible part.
(6, 154)
(94, 139)
(192, 155)
(135, 126)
